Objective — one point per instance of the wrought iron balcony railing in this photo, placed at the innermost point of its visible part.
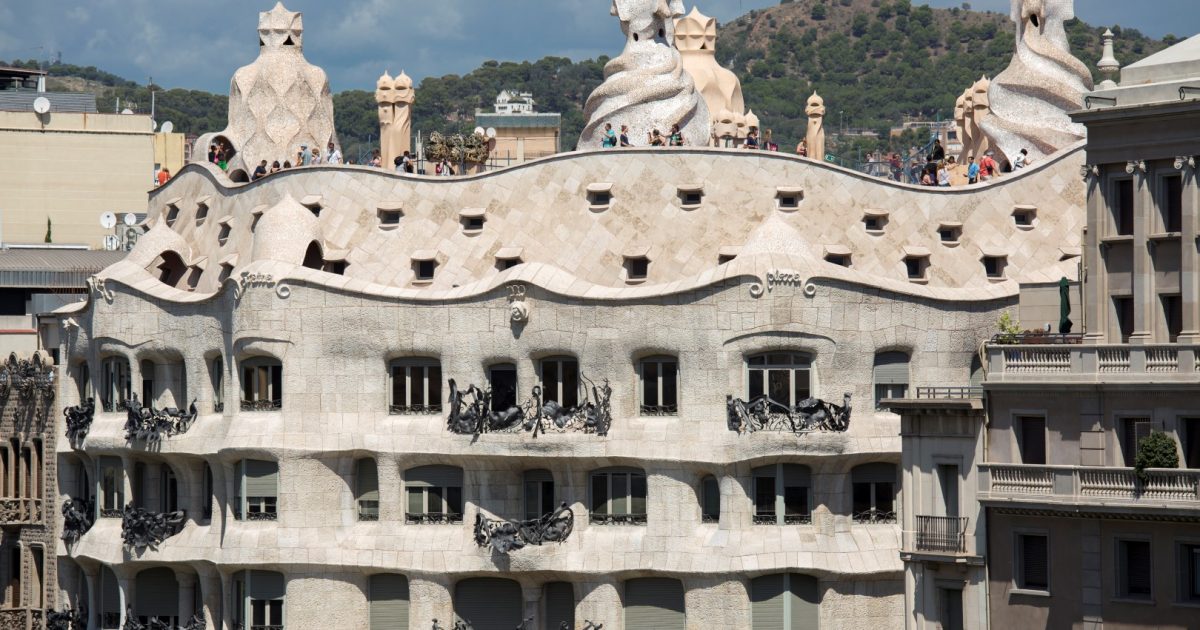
(659, 410)
(617, 519)
(432, 519)
(415, 410)
(368, 510)
(262, 516)
(941, 534)
(503, 535)
(150, 425)
(874, 516)
(20, 511)
(766, 414)
(262, 405)
(79, 421)
(471, 412)
(219, 406)
(949, 393)
(142, 529)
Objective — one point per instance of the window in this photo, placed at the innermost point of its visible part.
(949, 233)
(424, 269)
(201, 213)
(1172, 312)
(1122, 207)
(226, 271)
(891, 377)
(172, 214)
(710, 500)
(560, 381)
(725, 258)
(389, 601)
(1133, 431)
(258, 597)
(691, 198)
(784, 601)
(112, 487)
(789, 202)
(539, 494)
(258, 483)
(366, 496)
(434, 495)
(1032, 562)
(168, 489)
(951, 609)
(841, 260)
(782, 495)
(1190, 440)
(618, 496)
(560, 605)
(148, 391)
(916, 267)
(507, 263)
(473, 224)
(84, 379)
(1123, 309)
(223, 234)
(1133, 569)
(1032, 439)
(216, 376)
(1024, 216)
(115, 385)
(1171, 204)
(599, 198)
(314, 258)
(637, 267)
(1189, 573)
(994, 266)
(389, 217)
(948, 480)
(488, 602)
(156, 597)
(874, 493)
(782, 376)
(208, 492)
(654, 603)
(874, 224)
(660, 386)
(503, 379)
(262, 384)
(416, 386)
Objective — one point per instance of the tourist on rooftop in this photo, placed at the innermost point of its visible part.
(275, 167)
(260, 171)
(164, 174)
(304, 156)
(896, 166)
(625, 136)
(316, 156)
(751, 139)
(335, 156)
(399, 163)
(769, 144)
(406, 162)
(676, 136)
(444, 168)
(609, 140)
(938, 154)
(988, 168)
(222, 159)
(1022, 159)
(656, 139)
(943, 175)
(376, 159)
(212, 153)
(802, 148)
(972, 170)
(286, 165)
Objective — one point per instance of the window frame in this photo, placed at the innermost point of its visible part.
(797, 361)
(882, 391)
(779, 511)
(1121, 569)
(105, 508)
(497, 401)
(364, 511)
(1019, 584)
(429, 367)
(266, 508)
(1021, 431)
(662, 408)
(707, 514)
(446, 516)
(873, 513)
(252, 398)
(610, 516)
(115, 372)
(559, 361)
(535, 480)
(1187, 572)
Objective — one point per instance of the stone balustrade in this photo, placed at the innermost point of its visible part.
(1089, 485)
(1092, 363)
(20, 511)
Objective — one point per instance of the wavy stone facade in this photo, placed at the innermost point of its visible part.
(604, 261)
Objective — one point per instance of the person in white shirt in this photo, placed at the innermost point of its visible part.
(1022, 159)
(335, 156)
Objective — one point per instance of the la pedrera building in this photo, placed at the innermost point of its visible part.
(639, 388)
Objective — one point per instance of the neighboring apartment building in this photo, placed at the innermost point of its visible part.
(521, 134)
(1046, 492)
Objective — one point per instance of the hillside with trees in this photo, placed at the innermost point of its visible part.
(875, 62)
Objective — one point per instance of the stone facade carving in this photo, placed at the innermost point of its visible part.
(150, 425)
(79, 421)
(646, 86)
(277, 103)
(696, 39)
(765, 414)
(518, 310)
(142, 529)
(395, 97)
(504, 536)
(815, 137)
(1031, 98)
(26, 377)
(471, 412)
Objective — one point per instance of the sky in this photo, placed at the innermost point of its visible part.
(198, 45)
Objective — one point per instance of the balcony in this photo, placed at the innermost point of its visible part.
(21, 618)
(1096, 487)
(262, 405)
(20, 512)
(941, 535)
(1067, 363)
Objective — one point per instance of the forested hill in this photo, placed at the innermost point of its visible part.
(876, 62)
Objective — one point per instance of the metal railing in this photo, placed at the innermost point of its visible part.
(413, 518)
(617, 519)
(949, 393)
(942, 534)
(415, 410)
(1090, 484)
(874, 516)
(262, 405)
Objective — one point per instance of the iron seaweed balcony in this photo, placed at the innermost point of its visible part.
(1094, 487)
(472, 412)
(764, 413)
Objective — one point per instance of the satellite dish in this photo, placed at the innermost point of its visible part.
(108, 220)
(126, 111)
(129, 219)
(479, 131)
(41, 105)
(491, 132)
(167, 127)
(153, 125)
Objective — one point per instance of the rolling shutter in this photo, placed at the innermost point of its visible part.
(389, 602)
(157, 593)
(262, 478)
(654, 604)
(489, 603)
(434, 476)
(804, 601)
(767, 602)
(560, 605)
(1035, 572)
(266, 585)
(891, 368)
(368, 480)
(796, 476)
(110, 592)
(877, 472)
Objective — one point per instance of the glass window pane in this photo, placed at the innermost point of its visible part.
(550, 381)
(434, 382)
(258, 612)
(276, 618)
(600, 494)
(454, 500)
(802, 388)
(416, 500)
(756, 384)
(547, 497)
(620, 493)
(862, 498)
(670, 396)
(416, 385)
(570, 385)
(650, 383)
(504, 388)
(638, 494)
(399, 386)
(532, 499)
(885, 497)
(433, 504)
(795, 501)
(779, 386)
(764, 496)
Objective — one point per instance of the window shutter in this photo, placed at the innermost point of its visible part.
(803, 602)
(368, 480)
(389, 601)
(560, 605)
(877, 472)
(489, 603)
(1034, 562)
(262, 478)
(1137, 567)
(767, 603)
(156, 594)
(891, 368)
(434, 476)
(654, 604)
(796, 476)
(266, 585)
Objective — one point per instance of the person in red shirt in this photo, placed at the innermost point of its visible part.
(163, 176)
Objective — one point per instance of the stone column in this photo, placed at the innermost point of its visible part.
(92, 575)
(125, 588)
(532, 594)
(210, 595)
(1144, 305)
(1189, 270)
(600, 602)
(187, 595)
(1094, 288)
(226, 586)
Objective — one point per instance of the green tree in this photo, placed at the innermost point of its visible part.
(49, 239)
(819, 12)
(1157, 450)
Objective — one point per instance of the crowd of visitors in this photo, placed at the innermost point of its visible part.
(655, 138)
